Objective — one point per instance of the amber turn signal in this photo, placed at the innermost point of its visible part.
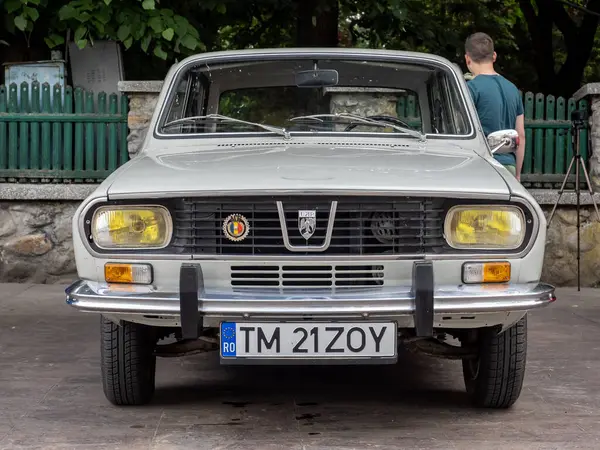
(487, 272)
(128, 273)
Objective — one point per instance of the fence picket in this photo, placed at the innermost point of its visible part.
(79, 150)
(89, 133)
(68, 131)
(583, 134)
(528, 159)
(538, 152)
(561, 136)
(13, 128)
(46, 135)
(113, 143)
(101, 133)
(24, 128)
(3, 144)
(56, 129)
(411, 107)
(34, 150)
(550, 134)
(401, 107)
(571, 106)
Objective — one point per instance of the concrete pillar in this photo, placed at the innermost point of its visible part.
(591, 91)
(143, 96)
(363, 101)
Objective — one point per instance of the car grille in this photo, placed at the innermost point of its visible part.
(307, 277)
(362, 226)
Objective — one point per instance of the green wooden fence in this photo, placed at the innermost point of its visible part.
(50, 135)
(548, 146)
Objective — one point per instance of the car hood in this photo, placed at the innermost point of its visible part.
(424, 169)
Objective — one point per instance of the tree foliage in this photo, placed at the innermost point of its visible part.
(547, 45)
(143, 22)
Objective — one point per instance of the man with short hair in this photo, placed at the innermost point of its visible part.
(497, 100)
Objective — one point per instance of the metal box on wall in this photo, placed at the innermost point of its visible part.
(97, 68)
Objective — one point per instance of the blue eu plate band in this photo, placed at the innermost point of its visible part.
(422, 287)
(191, 282)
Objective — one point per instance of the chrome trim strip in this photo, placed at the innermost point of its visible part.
(306, 248)
(330, 192)
(370, 303)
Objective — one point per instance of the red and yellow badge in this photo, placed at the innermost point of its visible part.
(235, 227)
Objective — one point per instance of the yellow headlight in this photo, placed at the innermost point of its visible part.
(131, 227)
(485, 227)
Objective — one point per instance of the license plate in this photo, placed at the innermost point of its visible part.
(308, 340)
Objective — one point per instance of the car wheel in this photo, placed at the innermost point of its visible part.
(495, 378)
(128, 362)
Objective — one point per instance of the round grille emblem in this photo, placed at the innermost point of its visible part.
(235, 227)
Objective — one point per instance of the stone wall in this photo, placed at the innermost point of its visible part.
(560, 261)
(591, 91)
(143, 96)
(36, 241)
(364, 102)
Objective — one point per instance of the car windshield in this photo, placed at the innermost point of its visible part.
(288, 97)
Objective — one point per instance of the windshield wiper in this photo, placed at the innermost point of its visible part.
(273, 129)
(355, 118)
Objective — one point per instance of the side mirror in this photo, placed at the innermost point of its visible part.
(503, 141)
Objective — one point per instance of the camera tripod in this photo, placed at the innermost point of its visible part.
(578, 121)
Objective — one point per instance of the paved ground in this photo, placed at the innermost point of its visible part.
(51, 395)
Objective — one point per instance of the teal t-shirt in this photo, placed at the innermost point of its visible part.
(498, 104)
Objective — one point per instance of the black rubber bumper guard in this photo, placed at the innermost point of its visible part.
(191, 289)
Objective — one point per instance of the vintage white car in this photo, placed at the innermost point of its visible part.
(308, 206)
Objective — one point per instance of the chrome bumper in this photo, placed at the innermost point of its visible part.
(385, 302)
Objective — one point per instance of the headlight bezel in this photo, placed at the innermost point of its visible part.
(526, 220)
(93, 214)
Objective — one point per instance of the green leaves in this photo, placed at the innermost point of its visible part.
(21, 23)
(158, 31)
(12, 5)
(54, 40)
(124, 32)
(156, 24)
(146, 43)
(168, 34)
(80, 33)
(189, 42)
(158, 51)
(148, 4)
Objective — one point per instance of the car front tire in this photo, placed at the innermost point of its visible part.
(495, 378)
(128, 362)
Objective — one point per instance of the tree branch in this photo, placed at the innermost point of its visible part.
(530, 16)
(540, 29)
(564, 23)
(579, 7)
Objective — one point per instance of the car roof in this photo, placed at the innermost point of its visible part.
(316, 52)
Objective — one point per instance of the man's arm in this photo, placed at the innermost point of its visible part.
(520, 127)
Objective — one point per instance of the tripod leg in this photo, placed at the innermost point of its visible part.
(562, 189)
(578, 193)
(591, 191)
